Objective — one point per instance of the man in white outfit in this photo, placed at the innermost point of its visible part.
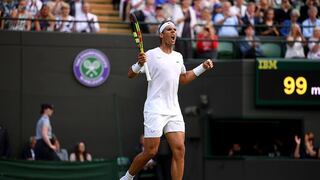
(91, 25)
(162, 112)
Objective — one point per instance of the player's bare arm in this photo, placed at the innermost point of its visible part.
(192, 74)
(134, 69)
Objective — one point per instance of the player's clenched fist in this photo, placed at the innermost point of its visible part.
(142, 58)
(208, 64)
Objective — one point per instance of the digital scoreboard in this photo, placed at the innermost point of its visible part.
(287, 82)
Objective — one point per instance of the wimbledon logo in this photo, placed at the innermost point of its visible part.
(91, 67)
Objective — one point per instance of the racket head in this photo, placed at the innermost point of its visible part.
(136, 32)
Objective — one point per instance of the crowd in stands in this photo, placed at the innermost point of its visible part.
(48, 15)
(292, 22)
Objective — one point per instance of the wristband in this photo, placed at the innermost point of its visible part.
(136, 68)
(199, 70)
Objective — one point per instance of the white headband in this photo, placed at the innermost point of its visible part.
(164, 25)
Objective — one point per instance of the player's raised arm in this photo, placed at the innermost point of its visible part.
(135, 69)
(192, 74)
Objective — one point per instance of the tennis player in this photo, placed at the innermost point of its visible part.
(162, 112)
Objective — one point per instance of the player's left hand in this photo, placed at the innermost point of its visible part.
(208, 64)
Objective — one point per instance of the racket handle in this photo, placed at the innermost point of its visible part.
(147, 72)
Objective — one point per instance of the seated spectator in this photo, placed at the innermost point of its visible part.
(65, 22)
(28, 150)
(309, 24)
(21, 13)
(159, 17)
(207, 43)
(295, 43)
(284, 12)
(227, 21)
(314, 45)
(262, 8)
(80, 153)
(304, 10)
(235, 150)
(249, 45)
(44, 20)
(6, 9)
(91, 25)
(204, 20)
(239, 9)
(250, 17)
(307, 150)
(286, 25)
(61, 153)
(55, 7)
(217, 9)
(34, 7)
(269, 25)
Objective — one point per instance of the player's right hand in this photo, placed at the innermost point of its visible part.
(142, 58)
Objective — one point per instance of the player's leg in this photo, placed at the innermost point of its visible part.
(151, 146)
(176, 143)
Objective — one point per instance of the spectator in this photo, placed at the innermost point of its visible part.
(61, 153)
(284, 12)
(250, 16)
(308, 150)
(149, 12)
(44, 20)
(76, 8)
(6, 9)
(217, 9)
(137, 5)
(295, 43)
(91, 25)
(249, 45)
(207, 43)
(286, 25)
(34, 6)
(197, 8)
(159, 17)
(80, 154)
(185, 19)
(55, 7)
(28, 150)
(21, 13)
(235, 150)
(45, 149)
(262, 8)
(65, 22)
(314, 45)
(203, 21)
(309, 24)
(239, 9)
(304, 10)
(227, 21)
(169, 8)
(269, 26)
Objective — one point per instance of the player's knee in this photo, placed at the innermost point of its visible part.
(179, 151)
(150, 152)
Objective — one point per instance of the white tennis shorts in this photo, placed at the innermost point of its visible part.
(157, 124)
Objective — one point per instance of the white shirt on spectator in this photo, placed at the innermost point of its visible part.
(296, 50)
(135, 6)
(66, 26)
(307, 31)
(236, 10)
(90, 26)
(34, 6)
(78, 9)
(313, 55)
(231, 29)
(178, 14)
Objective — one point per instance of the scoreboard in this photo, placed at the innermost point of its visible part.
(287, 82)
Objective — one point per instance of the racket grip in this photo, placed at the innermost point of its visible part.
(147, 71)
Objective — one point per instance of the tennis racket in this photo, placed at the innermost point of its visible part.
(137, 35)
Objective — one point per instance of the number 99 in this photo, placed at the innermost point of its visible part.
(290, 85)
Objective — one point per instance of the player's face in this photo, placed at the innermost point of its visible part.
(169, 35)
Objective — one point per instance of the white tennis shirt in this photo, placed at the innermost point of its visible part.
(165, 70)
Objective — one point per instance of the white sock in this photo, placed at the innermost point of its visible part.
(128, 176)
